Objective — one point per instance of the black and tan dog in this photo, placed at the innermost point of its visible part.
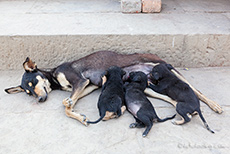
(138, 104)
(84, 75)
(112, 97)
(168, 84)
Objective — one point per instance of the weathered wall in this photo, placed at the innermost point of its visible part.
(179, 50)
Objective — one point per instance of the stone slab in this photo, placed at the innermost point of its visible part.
(131, 6)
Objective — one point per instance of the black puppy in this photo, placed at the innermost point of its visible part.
(138, 104)
(112, 99)
(165, 82)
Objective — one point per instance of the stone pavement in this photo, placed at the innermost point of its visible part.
(43, 128)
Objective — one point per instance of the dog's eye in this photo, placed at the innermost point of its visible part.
(30, 84)
(28, 92)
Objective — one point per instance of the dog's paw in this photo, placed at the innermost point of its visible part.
(189, 116)
(133, 125)
(84, 120)
(217, 108)
(67, 102)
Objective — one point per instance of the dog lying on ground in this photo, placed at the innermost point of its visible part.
(84, 75)
(112, 97)
(168, 84)
(138, 104)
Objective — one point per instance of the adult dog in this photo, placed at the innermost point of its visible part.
(84, 75)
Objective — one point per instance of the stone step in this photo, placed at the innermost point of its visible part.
(185, 34)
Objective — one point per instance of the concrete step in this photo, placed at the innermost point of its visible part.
(185, 34)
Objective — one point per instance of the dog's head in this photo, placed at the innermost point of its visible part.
(160, 71)
(33, 82)
(114, 70)
(138, 77)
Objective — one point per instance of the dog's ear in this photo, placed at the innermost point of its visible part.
(156, 75)
(29, 65)
(169, 66)
(14, 90)
(104, 73)
(137, 79)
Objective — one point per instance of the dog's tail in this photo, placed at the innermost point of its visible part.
(94, 122)
(204, 121)
(165, 119)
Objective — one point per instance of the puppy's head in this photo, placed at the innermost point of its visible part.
(160, 71)
(138, 77)
(114, 70)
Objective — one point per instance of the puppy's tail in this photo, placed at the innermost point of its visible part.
(165, 119)
(204, 121)
(94, 122)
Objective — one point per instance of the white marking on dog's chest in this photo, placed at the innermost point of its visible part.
(64, 82)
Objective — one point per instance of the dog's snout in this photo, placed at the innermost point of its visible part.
(42, 99)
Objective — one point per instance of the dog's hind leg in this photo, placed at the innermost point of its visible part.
(109, 115)
(185, 117)
(123, 108)
(178, 122)
(70, 102)
(137, 124)
(204, 121)
(112, 115)
(88, 90)
(154, 94)
(213, 105)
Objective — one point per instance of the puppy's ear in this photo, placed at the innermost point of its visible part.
(137, 79)
(156, 75)
(14, 90)
(169, 66)
(29, 65)
(104, 73)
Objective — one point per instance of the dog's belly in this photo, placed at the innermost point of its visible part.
(145, 67)
(94, 76)
(134, 108)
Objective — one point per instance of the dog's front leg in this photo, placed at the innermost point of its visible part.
(88, 90)
(154, 94)
(78, 91)
(213, 105)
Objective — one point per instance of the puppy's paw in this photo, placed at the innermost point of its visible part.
(189, 115)
(149, 82)
(133, 125)
(144, 135)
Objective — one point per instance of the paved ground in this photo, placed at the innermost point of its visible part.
(30, 127)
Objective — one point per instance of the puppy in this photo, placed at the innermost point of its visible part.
(138, 104)
(165, 82)
(111, 100)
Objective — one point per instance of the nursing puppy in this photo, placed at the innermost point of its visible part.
(168, 84)
(111, 100)
(138, 104)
